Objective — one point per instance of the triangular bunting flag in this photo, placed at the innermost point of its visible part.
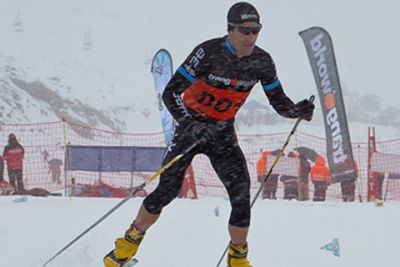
(20, 199)
(333, 247)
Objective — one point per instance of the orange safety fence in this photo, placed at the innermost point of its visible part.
(45, 147)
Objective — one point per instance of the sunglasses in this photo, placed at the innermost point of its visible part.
(247, 30)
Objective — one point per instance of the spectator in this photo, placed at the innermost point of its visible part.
(45, 155)
(14, 155)
(303, 181)
(290, 183)
(348, 186)
(55, 170)
(320, 176)
(1, 169)
(271, 185)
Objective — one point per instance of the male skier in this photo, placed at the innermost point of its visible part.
(203, 96)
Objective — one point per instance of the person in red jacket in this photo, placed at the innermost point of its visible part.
(14, 156)
(320, 176)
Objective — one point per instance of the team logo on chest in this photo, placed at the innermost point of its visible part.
(231, 82)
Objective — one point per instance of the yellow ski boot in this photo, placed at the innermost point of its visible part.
(237, 256)
(125, 248)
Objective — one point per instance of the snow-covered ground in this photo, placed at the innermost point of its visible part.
(283, 233)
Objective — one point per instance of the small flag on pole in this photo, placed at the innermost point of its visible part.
(333, 247)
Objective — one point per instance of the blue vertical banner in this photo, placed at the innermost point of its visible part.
(161, 68)
(321, 55)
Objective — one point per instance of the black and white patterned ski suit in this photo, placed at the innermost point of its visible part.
(210, 86)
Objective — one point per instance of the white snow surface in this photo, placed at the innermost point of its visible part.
(282, 234)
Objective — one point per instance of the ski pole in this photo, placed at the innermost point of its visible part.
(131, 194)
(294, 128)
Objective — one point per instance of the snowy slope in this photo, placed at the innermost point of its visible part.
(283, 233)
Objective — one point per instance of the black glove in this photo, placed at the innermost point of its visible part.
(305, 109)
(202, 132)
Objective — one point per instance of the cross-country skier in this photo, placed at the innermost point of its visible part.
(203, 96)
